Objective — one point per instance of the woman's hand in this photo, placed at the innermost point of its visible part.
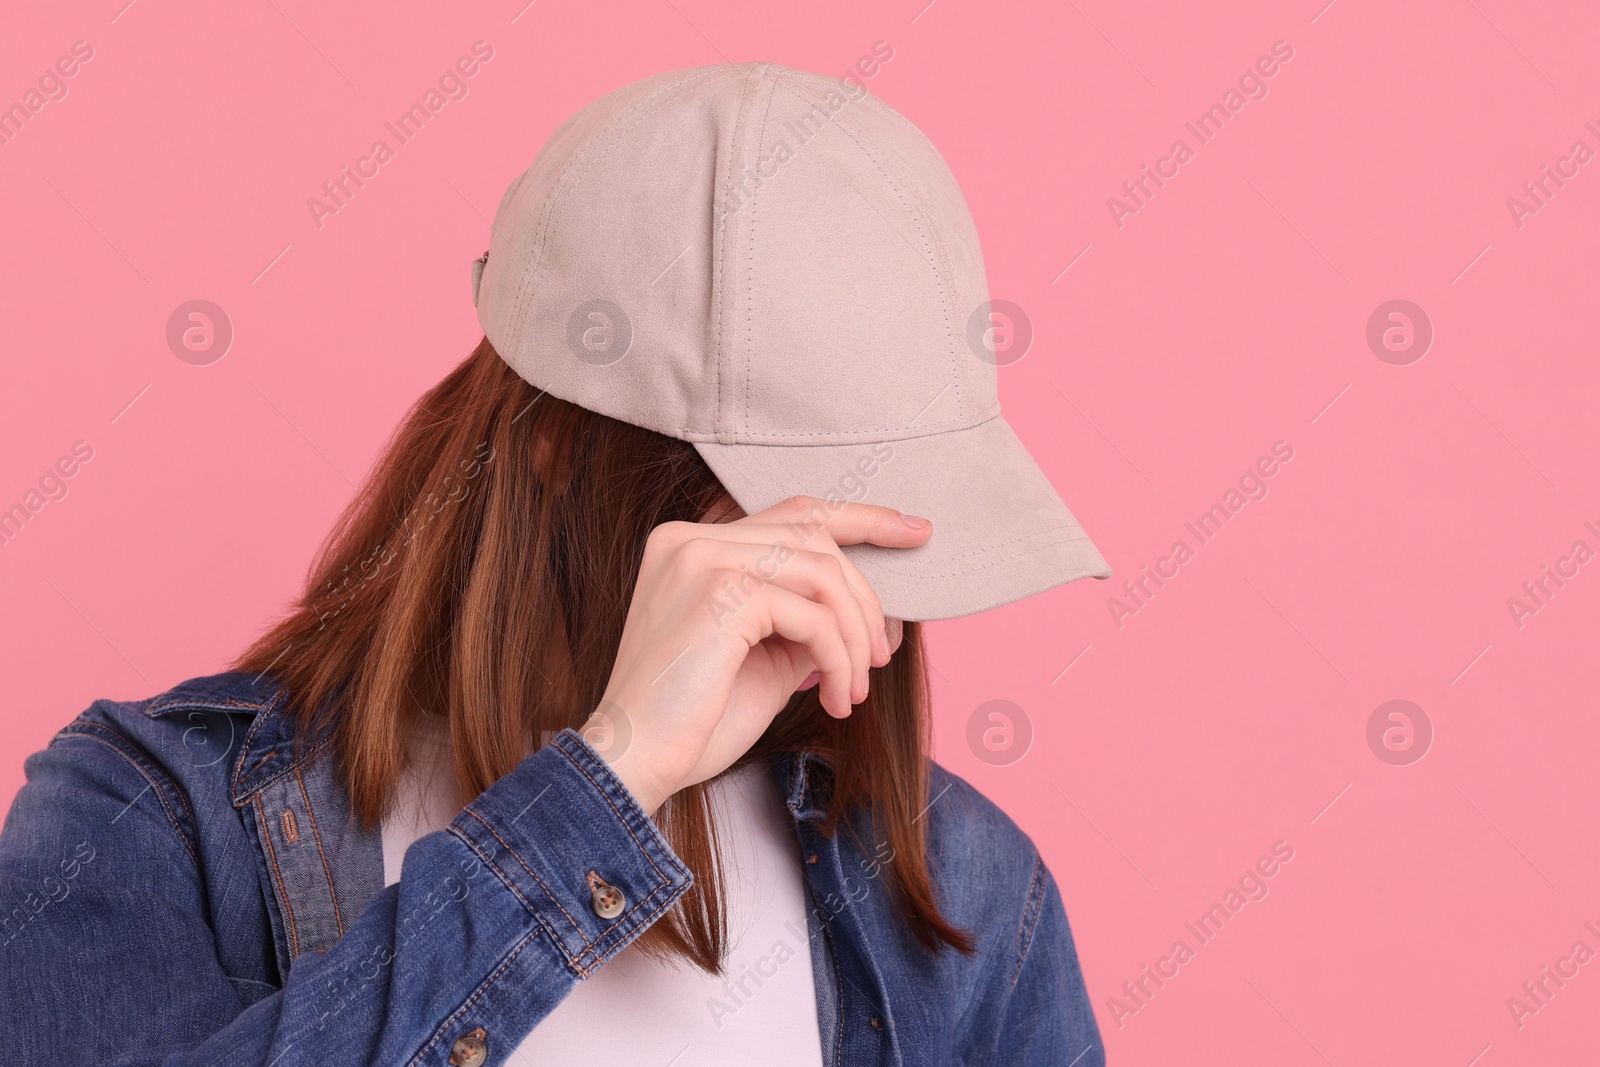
(728, 620)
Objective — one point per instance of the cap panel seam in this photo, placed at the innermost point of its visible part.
(930, 431)
(749, 263)
(614, 136)
(935, 235)
(944, 284)
(720, 282)
(945, 427)
(531, 278)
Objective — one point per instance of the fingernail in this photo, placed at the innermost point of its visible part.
(883, 644)
(916, 522)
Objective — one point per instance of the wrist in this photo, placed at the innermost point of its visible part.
(613, 741)
(645, 793)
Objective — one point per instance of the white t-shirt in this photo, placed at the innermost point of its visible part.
(637, 1010)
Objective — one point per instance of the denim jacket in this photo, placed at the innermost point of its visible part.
(182, 884)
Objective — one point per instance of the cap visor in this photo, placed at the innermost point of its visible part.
(1000, 532)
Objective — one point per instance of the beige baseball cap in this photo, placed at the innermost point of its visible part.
(780, 268)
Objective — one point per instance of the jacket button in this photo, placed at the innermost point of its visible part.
(470, 1050)
(608, 901)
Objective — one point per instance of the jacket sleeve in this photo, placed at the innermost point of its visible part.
(107, 954)
(1044, 1018)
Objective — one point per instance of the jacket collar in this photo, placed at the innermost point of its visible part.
(269, 749)
(797, 775)
(230, 692)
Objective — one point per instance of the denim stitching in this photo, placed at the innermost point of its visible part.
(509, 884)
(618, 926)
(838, 985)
(149, 774)
(244, 755)
(1031, 909)
(825, 931)
(333, 892)
(495, 867)
(132, 752)
(158, 708)
(583, 970)
(612, 804)
(620, 933)
(272, 854)
(620, 815)
(293, 768)
(476, 995)
(531, 874)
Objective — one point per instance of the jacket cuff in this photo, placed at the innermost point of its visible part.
(559, 829)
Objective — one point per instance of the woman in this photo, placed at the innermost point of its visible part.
(596, 731)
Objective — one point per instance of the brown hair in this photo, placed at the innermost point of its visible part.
(488, 564)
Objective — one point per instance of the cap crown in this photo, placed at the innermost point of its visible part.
(743, 254)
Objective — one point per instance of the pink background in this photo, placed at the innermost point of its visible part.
(1229, 313)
